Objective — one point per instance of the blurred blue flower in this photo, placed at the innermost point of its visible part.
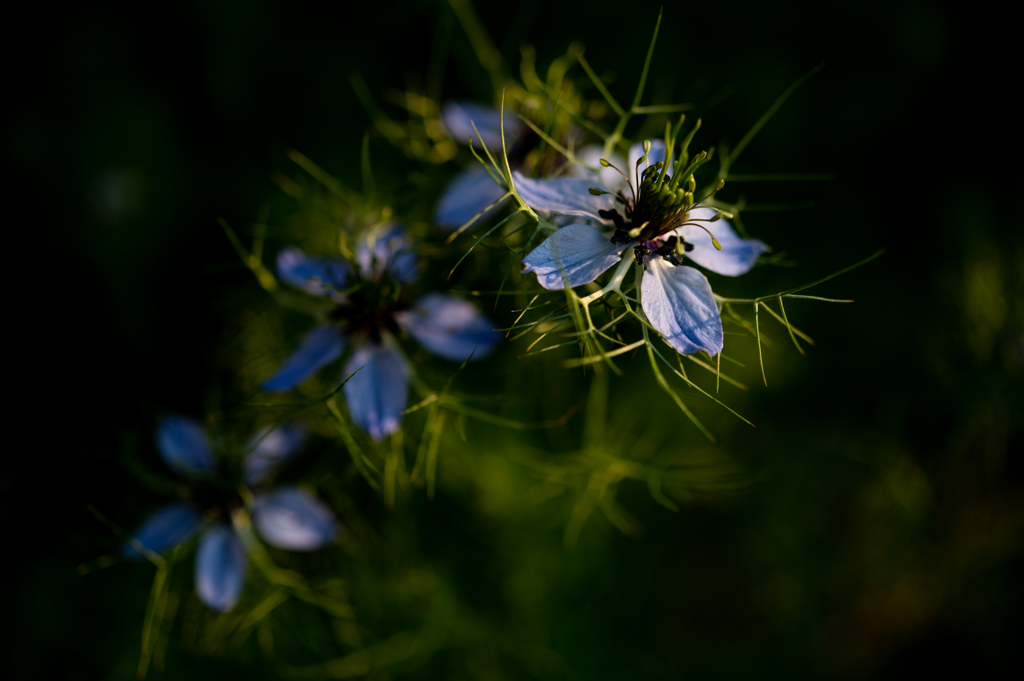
(183, 445)
(663, 227)
(370, 312)
(287, 517)
(473, 189)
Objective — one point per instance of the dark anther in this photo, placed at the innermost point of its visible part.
(674, 259)
(641, 252)
(668, 246)
(688, 247)
(620, 237)
(613, 216)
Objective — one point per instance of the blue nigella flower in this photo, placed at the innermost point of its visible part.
(370, 312)
(473, 189)
(287, 517)
(663, 227)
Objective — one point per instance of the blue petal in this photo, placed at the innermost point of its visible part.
(679, 304)
(166, 528)
(737, 255)
(565, 195)
(459, 116)
(221, 566)
(467, 194)
(292, 518)
(387, 248)
(576, 253)
(268, 449)
(320, 347)
(449, 327)
(183, 444)
(319, 276)
(590, 156)
(378, 394)
(610, 178)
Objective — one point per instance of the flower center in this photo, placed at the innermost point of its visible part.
(673, 250)
(370, 309)
(660, 207)
(220, 493)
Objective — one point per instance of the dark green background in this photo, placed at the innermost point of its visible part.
(883, 537)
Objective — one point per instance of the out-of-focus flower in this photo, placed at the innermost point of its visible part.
(370, 312)
(661, 223)
(473, 189)
(287, 517)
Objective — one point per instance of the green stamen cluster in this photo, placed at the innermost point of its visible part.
(663, 198)
(666, 189)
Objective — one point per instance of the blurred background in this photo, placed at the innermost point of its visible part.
(878, 532)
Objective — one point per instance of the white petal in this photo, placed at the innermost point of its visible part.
(591, 156)
(576, 254)
(737, 256)
(565, 195)
(679, 303)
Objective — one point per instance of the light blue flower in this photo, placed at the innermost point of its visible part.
(292, 518)
(165, 528)
(473, 189)
(221, 566)
(467, 194)
(368, 317)
(460, 117)
(183, 445)
(379, 393)
(286, 517)
(269, 449)
(318, 348)
(319, 276)
(448, 326)
(387, 250)
(661, 225)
